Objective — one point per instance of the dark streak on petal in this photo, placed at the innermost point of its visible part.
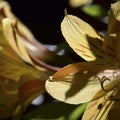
(84, 46)
(87, 55)
(100, 56)
(79, 50)
(94, 46)
(109, 47)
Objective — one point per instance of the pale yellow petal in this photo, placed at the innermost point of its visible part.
(105, 108)
(82, 38)
(12, 69)
(14, 40)
(79, 83)
(6, 12)
(98, 109)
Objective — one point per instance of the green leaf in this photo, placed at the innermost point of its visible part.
(56, 111)
(77, 112)
(95, 11)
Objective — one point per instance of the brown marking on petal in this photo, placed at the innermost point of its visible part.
(91, 105)
(109, 47)
(100, 106)
(99, 56)
(31, 87)
(84, 46)
(79, 50)
(87, 55)
(93, 45)
(97, 47)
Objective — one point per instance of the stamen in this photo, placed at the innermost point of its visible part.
(102, 80)
(114, 98)
(65, 11)
(115, 75)
(50, 79)
(107, 97)
(111, 98)
(100, 106)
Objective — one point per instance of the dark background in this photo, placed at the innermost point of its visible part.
(43, 17)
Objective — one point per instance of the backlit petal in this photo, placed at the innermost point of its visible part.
(82, 38)
(79, 83)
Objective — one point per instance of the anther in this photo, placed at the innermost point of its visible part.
(102, 80)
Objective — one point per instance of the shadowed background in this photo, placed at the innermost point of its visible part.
(44, 17)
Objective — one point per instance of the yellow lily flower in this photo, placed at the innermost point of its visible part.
(23, 70)
(99, 77)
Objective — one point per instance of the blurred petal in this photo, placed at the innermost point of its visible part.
(10, 32)
(16, 61)
(77, 3)
(114, 19)
(30, 87)
(7, 110)
(111, 44)
(21, 39)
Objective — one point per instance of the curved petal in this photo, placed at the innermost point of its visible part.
(114, 19)
(82, 38)
(78, 3)
(80, 82)
(22, 41)
(12, 69)
(9, 97)
(112, 41)
(7, 110)
(30, 87)
(98, 109)
(6, 12)
(105, 108)
(14, 40)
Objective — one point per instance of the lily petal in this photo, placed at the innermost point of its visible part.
(9, 32)
(12, 69)
(114, 19)
(9, 97)
(112, 41)
(7, 110)
(78, 83)
(78, 3)
(15, 61)
(82, 38)
(23, 42)
(98, 109)
(30, 87)
(105, 108)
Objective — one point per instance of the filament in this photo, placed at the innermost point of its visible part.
(102, 80)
